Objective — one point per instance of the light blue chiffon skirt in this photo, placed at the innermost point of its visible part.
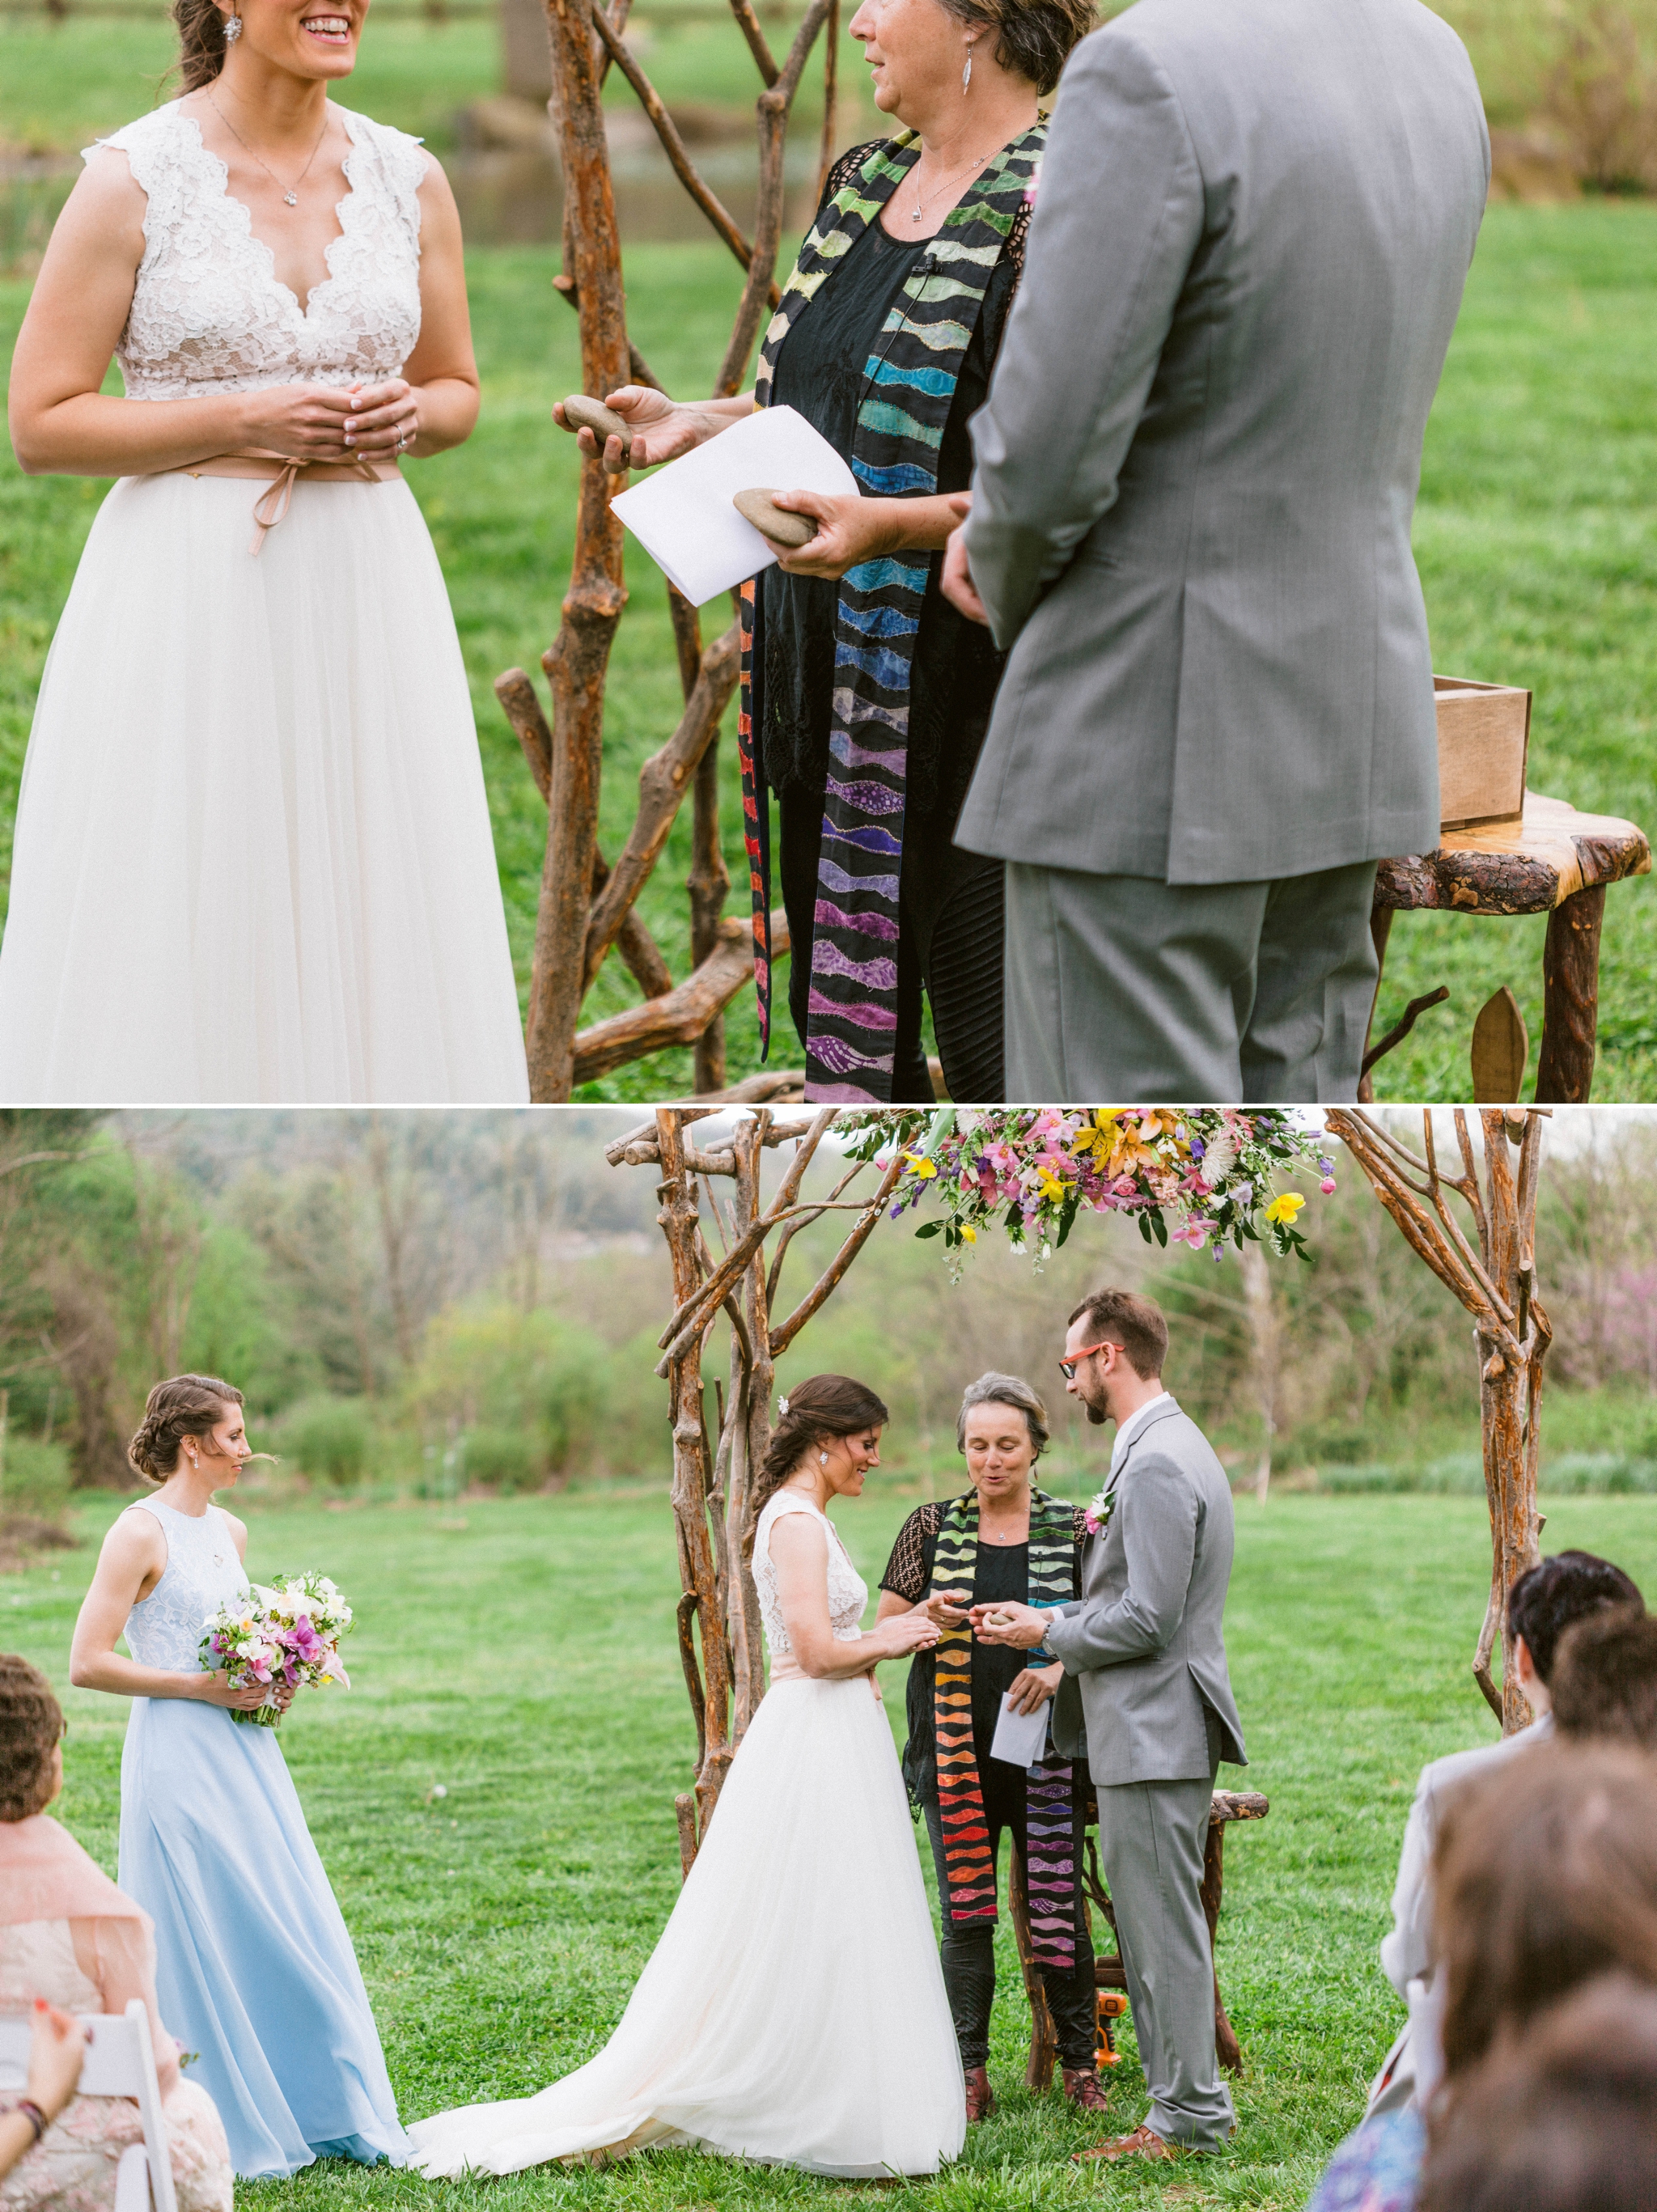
(254, 1968)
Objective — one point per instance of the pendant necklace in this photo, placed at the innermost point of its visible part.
(920, 206)
(289, 193)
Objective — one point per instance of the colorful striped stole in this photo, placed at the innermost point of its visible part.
(908, 384)
(1049, 1836)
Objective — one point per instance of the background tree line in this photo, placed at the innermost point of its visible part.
(431, 1301)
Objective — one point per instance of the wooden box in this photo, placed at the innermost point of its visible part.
(1484, 735)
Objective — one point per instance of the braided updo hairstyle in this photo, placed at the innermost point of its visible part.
(31, 1728)
(185, 1405)
(201, 42)
(820, 1411)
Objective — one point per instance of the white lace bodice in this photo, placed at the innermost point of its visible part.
(848, 1593)
(209, 312)
(203, 1570)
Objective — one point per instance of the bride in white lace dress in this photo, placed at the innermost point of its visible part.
(253, 859)
(793, 2011)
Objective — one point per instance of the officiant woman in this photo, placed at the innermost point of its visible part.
(865, 696)
(1001, 1539)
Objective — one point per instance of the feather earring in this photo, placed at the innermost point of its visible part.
(967, 73)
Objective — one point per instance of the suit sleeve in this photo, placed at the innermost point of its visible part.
(1408, 1951)
(1157, 1511)
(1119, 214)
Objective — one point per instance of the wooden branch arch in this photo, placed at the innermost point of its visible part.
(585, 907)
(1494, 1276)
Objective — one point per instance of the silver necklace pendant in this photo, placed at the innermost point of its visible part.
(290, 200)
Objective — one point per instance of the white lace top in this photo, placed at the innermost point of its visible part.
(208, 312)
(848, 1593)
(203, 1568)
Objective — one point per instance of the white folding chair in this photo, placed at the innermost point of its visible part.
(120, 2062)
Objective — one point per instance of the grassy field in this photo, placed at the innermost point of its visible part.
(1535, 534)
(522, 1655)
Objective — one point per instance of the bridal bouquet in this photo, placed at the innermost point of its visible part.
(288, 1631)
(1200, 1176)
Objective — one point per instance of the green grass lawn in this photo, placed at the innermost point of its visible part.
(1535, 536)
(522, 1655)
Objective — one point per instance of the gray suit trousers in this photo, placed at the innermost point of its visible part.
(1151, 1839)
(1123, 986)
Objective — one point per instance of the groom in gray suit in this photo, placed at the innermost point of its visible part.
(1191, 516)
(1146, 1697)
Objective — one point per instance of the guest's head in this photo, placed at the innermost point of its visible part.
(1559, 2117)
(918, 51)
(1544, 1875)
(31, 1740)
(1115, 1347)
(1605, 1678)
(1551, 1598)
(191, 1422)
(829, 1428)
(1002, 1429)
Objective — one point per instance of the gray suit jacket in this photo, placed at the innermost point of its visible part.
(1197, 466)
(1145, 1645)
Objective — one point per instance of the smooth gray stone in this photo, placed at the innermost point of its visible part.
(772, 521)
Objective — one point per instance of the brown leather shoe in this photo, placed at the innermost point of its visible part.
(980, 2100)
(1144, 2142)
(1083, 2088)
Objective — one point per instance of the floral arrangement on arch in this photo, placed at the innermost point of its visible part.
(1200, 1176)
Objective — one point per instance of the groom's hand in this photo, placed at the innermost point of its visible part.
(956, 581)
(1019, 1625)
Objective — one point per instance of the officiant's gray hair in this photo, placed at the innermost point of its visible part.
(995, 1389)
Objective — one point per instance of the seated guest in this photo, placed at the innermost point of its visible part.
(1558, 2118)
(1604, 1680)
(67, 1935)
(1544, 1876)
(56, 2049)
(1542, 1606)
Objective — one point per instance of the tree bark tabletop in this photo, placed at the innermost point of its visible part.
(1529, 868)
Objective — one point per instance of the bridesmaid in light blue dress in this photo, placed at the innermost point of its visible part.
(255, 1969)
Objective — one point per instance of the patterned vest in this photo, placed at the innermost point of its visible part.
(908, 384)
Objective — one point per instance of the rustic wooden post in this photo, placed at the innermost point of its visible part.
(576, 662)
(712, 1487)
(586, 906)
(1496, 1282)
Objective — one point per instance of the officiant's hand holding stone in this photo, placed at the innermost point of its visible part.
(1020, 1626)
(661, 428)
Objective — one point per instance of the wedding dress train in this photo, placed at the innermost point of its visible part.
(793, 2011)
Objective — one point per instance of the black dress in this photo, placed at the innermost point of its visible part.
(951, 909)
(967, 1952)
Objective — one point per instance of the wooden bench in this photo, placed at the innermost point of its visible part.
(1557, 862)
(1109, 1975)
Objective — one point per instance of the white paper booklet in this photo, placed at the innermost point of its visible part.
(682, 515)
(1019, 1738)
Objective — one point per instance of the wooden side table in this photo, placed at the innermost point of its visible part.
(1557, 862)
(1110, 1975)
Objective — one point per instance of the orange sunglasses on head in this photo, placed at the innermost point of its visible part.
(1067, 1367)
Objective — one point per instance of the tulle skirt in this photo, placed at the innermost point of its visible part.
(793, 2011)
(253, 861)
(254, 1968)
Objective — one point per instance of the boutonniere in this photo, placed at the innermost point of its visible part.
(1095, 1514)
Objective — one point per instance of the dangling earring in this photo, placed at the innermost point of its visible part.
(967, 73)
(233, 29)
(823, 1458)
